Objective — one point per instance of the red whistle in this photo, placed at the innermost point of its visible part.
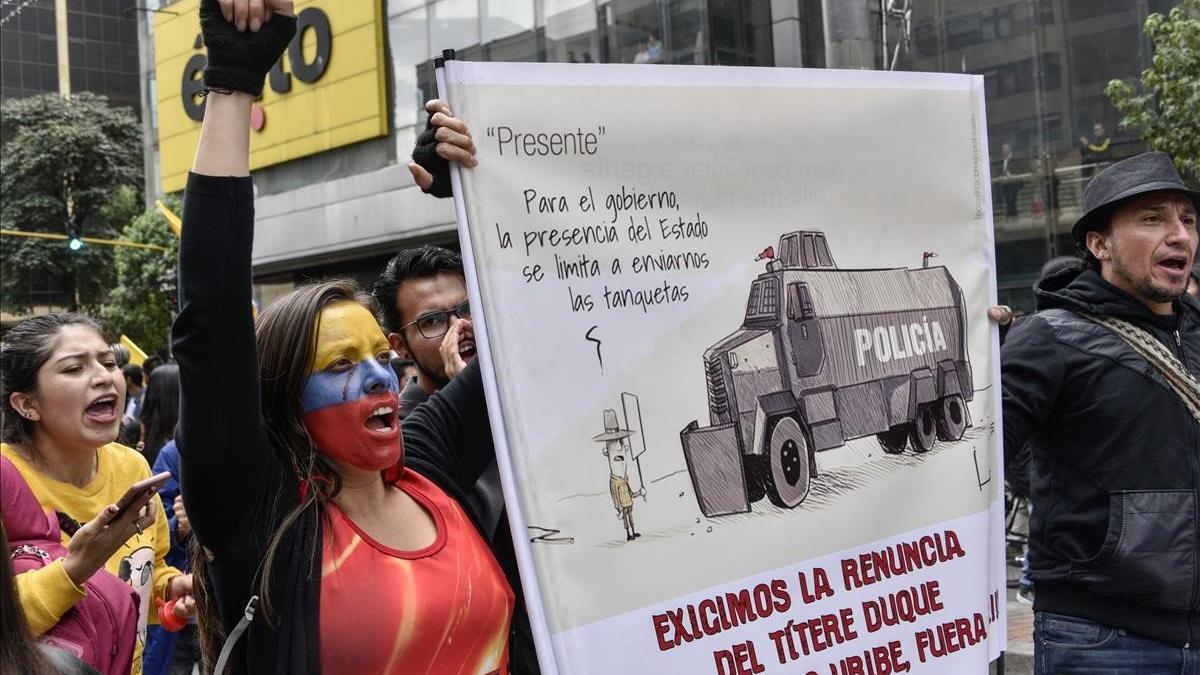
(167, 618)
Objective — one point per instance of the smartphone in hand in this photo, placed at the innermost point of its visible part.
(140, 493)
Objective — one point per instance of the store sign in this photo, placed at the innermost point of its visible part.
(313, 100)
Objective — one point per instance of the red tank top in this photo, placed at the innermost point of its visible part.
(443, 609)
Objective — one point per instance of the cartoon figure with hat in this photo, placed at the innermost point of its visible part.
(619, 452)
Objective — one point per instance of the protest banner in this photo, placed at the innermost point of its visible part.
(744, 390)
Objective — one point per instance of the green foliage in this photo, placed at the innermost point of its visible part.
(60, 158)
(1165, 110)
(142, 303)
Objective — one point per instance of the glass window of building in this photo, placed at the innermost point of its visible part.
(570, 31)
(1045, 65)
(725, 32)
(408, 38)
(102, 50)
(453, 24)
(508, 30)
(506, 18)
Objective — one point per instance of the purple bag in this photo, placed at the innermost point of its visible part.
(101, 629)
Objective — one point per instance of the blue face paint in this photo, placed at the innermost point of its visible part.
(327, 388)
(351, 412)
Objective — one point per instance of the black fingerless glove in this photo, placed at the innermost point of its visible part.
(239, 61)
(425, 154)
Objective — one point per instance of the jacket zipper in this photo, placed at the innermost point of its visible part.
(1196, 517)
(1195, 583)
(1192, 611)
(1195, 572)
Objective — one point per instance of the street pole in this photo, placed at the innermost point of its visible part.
(848, 34)
(146, 75)
(64, 51)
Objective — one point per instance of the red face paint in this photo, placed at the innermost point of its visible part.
(351, 399)
(348, 432)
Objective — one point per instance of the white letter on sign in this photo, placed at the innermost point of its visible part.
(862, 339)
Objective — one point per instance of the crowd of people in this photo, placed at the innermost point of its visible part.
(324, 494)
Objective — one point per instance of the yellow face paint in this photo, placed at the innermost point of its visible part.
(350, 399)
(346, 330)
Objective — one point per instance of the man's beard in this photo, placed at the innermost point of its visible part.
(1146, 287)
(436, 374)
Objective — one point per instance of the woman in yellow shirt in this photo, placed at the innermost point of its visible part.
(61, 398)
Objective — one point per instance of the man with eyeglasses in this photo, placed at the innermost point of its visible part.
(423, 296)
(424, 299)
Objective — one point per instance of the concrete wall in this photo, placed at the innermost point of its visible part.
(344, 218)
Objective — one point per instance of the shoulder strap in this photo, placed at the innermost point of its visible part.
(23, 516)
(232, 640)
(1181, 381)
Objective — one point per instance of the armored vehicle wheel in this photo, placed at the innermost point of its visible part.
(893, 440)
(951, 418)
(789, 473)
(753, 467)
(924, 428)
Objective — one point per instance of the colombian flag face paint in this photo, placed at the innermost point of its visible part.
(351, 398)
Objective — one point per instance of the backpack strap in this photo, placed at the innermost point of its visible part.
(1177, 376)
(231, 642)
(23, 515)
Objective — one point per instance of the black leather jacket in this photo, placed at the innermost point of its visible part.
(1115, 525)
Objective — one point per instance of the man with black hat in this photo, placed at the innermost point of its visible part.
(1104, 385)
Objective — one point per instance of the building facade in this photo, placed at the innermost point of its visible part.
(342, 206)
(100, 56)
(102, 53)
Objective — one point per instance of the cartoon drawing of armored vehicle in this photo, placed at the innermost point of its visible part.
(827, 355)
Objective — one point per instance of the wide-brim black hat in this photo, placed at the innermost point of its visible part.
(1124, 181)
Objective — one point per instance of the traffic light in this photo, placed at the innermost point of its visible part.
(74, 235)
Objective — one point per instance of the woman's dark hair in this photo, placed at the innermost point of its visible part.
(422, 262)
(160, 410)
(287, 340)
(153, 361)
(24, 351)
(121, 353)
(19, 653)
(133, 373)
(210, 632)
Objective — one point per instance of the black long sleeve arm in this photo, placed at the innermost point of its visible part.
(229, 474)
(449, 433)
(1031, 375)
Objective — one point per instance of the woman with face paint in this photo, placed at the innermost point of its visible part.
(295, 477)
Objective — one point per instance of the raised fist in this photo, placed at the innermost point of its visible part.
(253, 14)
(244, 38)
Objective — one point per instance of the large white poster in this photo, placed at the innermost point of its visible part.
(741, 371)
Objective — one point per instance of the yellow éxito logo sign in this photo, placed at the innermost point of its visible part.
(327, 91)
(279, 80)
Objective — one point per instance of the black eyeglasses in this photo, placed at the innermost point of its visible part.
(435, 324)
